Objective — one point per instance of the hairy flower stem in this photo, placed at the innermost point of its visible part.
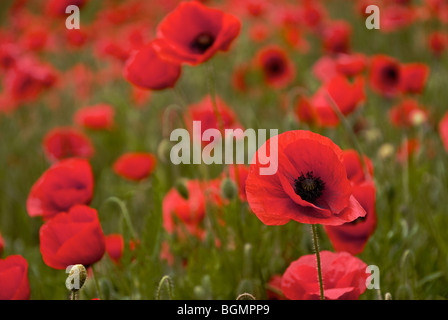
(316, 250)
(125, 214)
(166, 280)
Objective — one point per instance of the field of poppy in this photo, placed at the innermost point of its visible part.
(89, 163)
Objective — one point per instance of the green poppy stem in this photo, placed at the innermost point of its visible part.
(319, 269)
(97, 285)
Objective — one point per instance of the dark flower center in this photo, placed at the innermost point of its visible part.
(391, 74)
(202, 42)
(309, 187)
(275, 66)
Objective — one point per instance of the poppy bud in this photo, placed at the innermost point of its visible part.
(228, 189)
(164, 150)
(76, 277)
(386, 151)
(181, 187)
(387, 296)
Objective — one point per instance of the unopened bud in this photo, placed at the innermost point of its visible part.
(181, 187)
(386, 151)
(77, 276)
(228, 189)
(163, 150)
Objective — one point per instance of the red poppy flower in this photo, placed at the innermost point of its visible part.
(353, 236)
(193, 33)
(351, 64)
(72, 238)
(63, 185)
(346, 95)
(66, 142)
(277, 68)
(58, 7)
(324, 69)
(188, 212)
(14, 284)
(336, 37)
(385, 75)
(395, 17)
(76, 37)
(344, 277)
(414, 77)
(408, 113)
(114, 246)
(96, 117)
(205, 113)
(9, 55)
(305, 112)
(274, 288)
(135, 166)
(163, 74)
(354, 167)
(438, 42)
(407, 149)
(443, 131)
(310, 185)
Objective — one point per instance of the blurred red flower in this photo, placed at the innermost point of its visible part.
(96, 117)
(443, 131)
(239, 172)
(336, 37)
(193, 33)
(344, 277)
(204, 112)
(385, 75)
(354, 167)
(351, 64)
(63, 185)
(310, 185)
(135, 166)
(438, 42)
(57, 7)
(408, 113)
(277, 68)
(163, 74)
(66, 142)
(408, 148)
(73, 237)
(181, 214)
(414, 77)
(114, 246)
(14, 284)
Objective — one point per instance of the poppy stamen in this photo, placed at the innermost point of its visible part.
(309, 187)
(202, 42)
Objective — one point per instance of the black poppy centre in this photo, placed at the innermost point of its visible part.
(309, 187)
(202, 42)
(275, 66)
(391, 74)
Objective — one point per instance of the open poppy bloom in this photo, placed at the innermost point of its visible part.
(408, 113)
(385, 75)
(344, 277)
(181, 214)
(114, 246)
(414, 77)
(66, 142)
(96, 117)
(346, 95)
(310, 185)
(147, 70)
(276, 67)
(14, 284)
(73, 237)
(193, 33)
(336, 37)
(274, 288)
(351, 64)
(353, 236)
(443, 131)
(135, 166)
(63, 185)
(204, 112)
